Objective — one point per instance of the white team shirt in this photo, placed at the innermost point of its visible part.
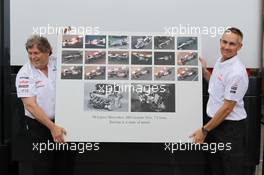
(229, 80)
(32, 82)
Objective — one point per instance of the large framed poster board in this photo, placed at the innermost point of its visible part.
(129, 87)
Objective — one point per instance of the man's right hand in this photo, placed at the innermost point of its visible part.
(206, 73)
(203, 63)
(58, 133)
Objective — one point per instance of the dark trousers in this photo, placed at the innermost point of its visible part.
(46, 162)
(228, 162)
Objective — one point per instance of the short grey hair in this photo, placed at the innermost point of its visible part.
(235, 31)
(40, 42)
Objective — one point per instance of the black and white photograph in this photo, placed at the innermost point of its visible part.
(72, 57)
(187, 74)
(95, 57)
(118, 57)
(164, 73)
(152, 97)
(95, 41)
(141, 58)
(187, 43)
(164, 42)
(105, 97)
(141, 73)
(141, 42)
(118, 42)
(118, 72)
(164, 58)
(71, 72)
(72, 41)
(187, 58)
(94, 73)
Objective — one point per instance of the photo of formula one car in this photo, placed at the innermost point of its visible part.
(188, 74)
(71, 72)
(71, 57)
(187, 43)
(164, 42)
(72, 41)
(120, 42)
(102, 100)
(118, 72)
(141, 58)
(96, 54)
(95, 73)
(142, 42)
(95, 57)
(165, 58)
(118, 55)
(187, 58)
(95, 41)
(140, 72)
(163, 72)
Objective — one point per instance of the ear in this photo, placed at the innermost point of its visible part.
(240, 46)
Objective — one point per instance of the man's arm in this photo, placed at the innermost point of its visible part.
(198, 136)
(31, 105)
(221, 114)
(206, 73)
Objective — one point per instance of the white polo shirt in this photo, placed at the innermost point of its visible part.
(229, 80)
(32, 82)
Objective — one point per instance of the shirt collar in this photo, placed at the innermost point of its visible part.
(49, 64)
(229, 61)
(37, 70)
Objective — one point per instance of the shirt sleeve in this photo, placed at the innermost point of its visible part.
(236, 88)
(25, 85)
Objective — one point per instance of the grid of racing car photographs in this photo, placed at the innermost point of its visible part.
(127, 73)
(72, 57)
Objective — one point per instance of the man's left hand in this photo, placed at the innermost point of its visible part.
(198, 136)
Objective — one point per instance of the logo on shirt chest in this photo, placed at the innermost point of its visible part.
(39, 83)
(54, 68)
(219, 77)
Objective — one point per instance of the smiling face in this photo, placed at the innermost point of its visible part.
(230, 44)
(37, 58)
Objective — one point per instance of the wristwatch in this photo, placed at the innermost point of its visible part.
(205, 131)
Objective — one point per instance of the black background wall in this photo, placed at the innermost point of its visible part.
(1, 70)
(4, 88)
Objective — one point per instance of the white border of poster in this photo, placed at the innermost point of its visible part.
(129, 87)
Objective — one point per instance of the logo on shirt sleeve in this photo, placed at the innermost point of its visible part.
(39, 84)
(24, 78)
(23, 82)
(233, 89)
(23, 86)
(24, 91)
